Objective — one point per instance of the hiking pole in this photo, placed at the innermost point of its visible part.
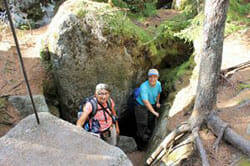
(21, 60)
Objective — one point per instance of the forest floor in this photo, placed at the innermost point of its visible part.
(12, 80)
(233, 102)
(233, 94)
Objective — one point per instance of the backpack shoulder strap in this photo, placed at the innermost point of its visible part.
(93, 102)
(109, 104)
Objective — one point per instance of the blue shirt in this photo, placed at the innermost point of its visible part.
(149, 93)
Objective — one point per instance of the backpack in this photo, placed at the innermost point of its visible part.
(132, 99)
(93, 124)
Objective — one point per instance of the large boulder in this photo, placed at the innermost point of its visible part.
(56, 142)
(15, 108)
(127, 144)
(24, 106)
(87, 47)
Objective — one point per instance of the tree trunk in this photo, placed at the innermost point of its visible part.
(213, 36)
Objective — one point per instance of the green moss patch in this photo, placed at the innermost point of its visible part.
(242, 86)
(2, 103)
(177, 75)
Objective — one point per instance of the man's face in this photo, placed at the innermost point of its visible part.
(152, 80)
(102, 96)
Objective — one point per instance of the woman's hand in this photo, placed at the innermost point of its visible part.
(117, 128)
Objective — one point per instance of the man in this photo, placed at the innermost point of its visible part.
(108, 130)
(145, 109)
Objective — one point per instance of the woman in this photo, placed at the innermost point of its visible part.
(105, 114)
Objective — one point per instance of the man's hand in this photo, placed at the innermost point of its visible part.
(156, 114)
(158, 105)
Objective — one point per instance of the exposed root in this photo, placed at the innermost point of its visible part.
(200, 147)
(231, 84)
(228, 72)
(217, 141)
(216, 125)
(178, 145)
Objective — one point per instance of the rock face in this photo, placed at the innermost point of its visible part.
(25, 4)
(9, 116)
(24, 106)
(56, 142)
(30, 13)
(127, 144)
(15, 108)
(83, 52)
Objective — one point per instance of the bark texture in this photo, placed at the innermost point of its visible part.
(213, 36)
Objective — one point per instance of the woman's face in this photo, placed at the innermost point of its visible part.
(152, 80)
(102, 96)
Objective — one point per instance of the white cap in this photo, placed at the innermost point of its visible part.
(153, 72)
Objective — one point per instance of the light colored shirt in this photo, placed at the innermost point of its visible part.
(149, 93)
(100, 115)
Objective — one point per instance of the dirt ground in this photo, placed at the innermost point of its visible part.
(233, 103)
(12, 80)
(233, 100)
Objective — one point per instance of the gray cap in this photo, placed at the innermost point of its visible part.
(102, 86)
(153, 72)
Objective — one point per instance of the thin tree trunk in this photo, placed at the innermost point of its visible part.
(213, 36)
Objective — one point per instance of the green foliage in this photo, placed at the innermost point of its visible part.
(236, 16)
(171, 76)
(35, 12)
(244, 162)
(242, 86)
(179, 27)
(80, 13)
(122, 27)
(189, 7)
(120, 24)
(149, 9)
(24, 27)
(45, 60)
(120, 3)
(191, 27)
(2, 103)
(238, 11)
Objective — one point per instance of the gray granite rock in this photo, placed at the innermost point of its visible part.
(56, 142)
(24, 106)
(127, 144)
